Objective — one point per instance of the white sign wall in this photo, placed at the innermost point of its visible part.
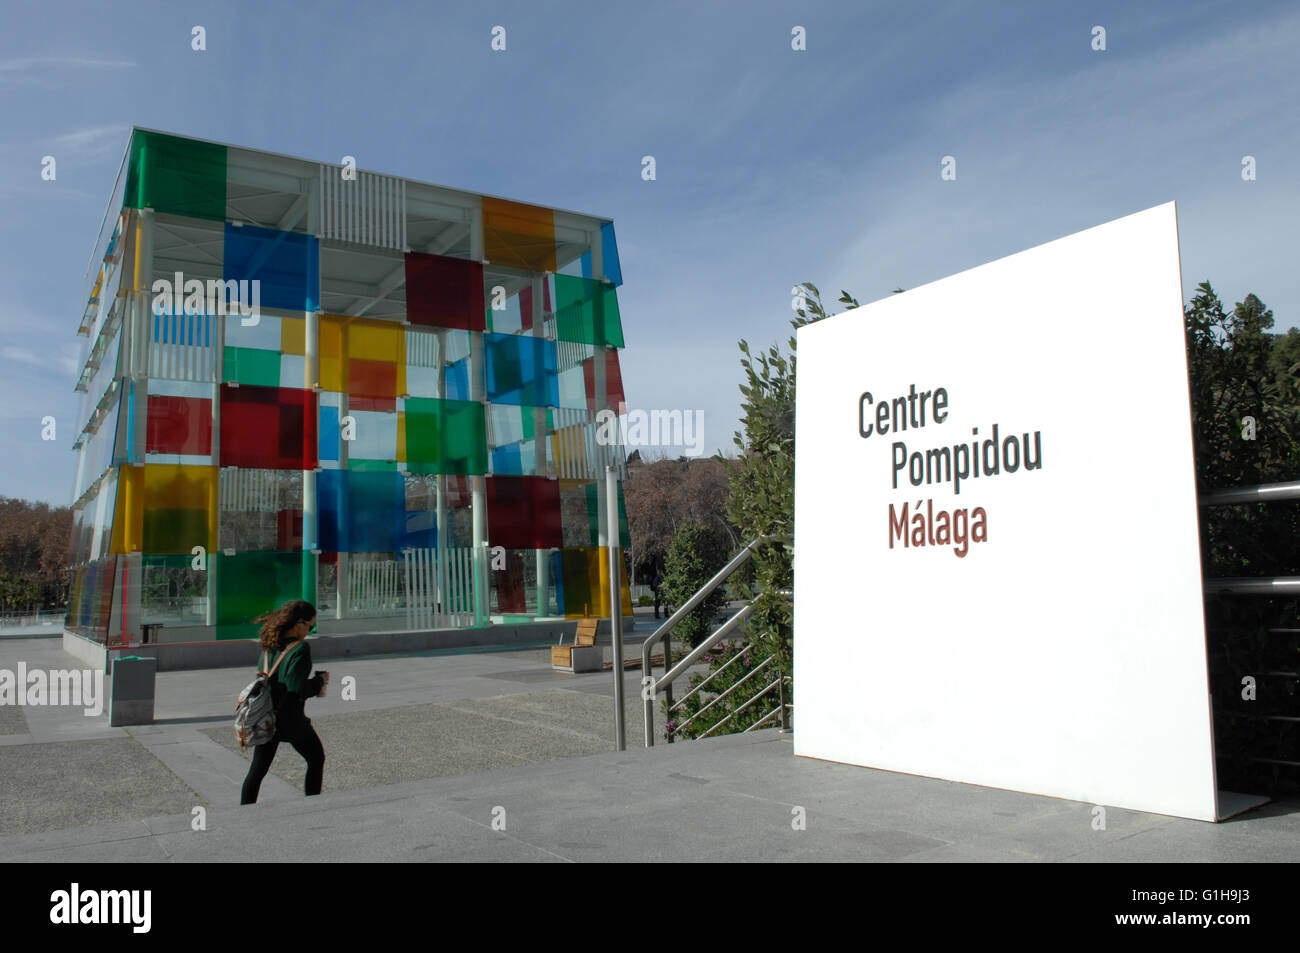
(1024, 614)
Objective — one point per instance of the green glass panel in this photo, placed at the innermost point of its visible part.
(253, 366)
(372, 465)
(587, 312)
(168, 530)
(177, 176)
(251, 583)
(580, 570)
(445, 436)
(167, 562)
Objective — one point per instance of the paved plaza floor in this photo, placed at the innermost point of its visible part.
(491, 755)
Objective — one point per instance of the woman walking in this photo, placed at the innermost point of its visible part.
(288, 627)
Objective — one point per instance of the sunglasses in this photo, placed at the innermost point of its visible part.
(312, 630)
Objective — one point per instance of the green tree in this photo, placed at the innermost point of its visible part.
(1239, 375)
(695, 555)
(761, 503)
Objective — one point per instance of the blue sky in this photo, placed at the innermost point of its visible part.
(773, 166)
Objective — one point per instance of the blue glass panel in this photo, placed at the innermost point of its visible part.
(421, 529)
(328, 435)
(456, 380)
(609, 254)
(287, 265)
(361, 511)
(507, 461)
(521, 370)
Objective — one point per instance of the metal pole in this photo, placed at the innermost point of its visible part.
(217, 339)
(1262, 493)
(615, 604)
(478, 491)
(310, 512)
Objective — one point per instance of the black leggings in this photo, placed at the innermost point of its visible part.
(305, 741)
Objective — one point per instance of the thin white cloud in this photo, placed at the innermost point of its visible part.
(65, 361)
(23, 356)
(94, 142)
(27, 64)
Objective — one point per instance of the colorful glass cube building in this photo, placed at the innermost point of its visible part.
(305, 380)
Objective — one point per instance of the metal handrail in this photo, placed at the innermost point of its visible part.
(720, 669)
(780, 709)
(651, 686)
(1259, 493)
(744, 706)
(719, 698)
(737, 620)
(1265, 585)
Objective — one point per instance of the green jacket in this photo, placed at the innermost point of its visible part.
(292, 684)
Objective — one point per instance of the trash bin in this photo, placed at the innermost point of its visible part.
(131, 690)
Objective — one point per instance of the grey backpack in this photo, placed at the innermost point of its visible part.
(254, 710)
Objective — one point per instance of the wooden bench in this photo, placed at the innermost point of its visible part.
(584, 655)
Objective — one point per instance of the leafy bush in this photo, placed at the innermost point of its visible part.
(694, 557)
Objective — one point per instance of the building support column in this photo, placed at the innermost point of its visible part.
(604, 457)
(136, 374)
(478, 490)
(543, 556)
(310, 511)
(217, 337)
(441, 606)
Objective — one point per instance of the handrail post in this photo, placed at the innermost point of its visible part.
(615, 602)
(785, 725)
(668, 689)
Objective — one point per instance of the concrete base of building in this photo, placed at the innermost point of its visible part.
(228, 653)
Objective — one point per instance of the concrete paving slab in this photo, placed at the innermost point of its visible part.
(12, 720)
(85, 782)
(416, 765)
(679, 802)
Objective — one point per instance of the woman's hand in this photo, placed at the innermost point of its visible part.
(325, 683)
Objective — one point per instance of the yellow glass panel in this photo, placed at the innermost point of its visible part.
(401, 436)
(177, 486)
(333, 367)
(625, 593)
(567, 449)
(293, 336)
(128, 513)
(377, 341)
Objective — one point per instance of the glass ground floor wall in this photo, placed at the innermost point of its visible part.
(546, 564)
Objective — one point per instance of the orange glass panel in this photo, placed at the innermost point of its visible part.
(518, 235)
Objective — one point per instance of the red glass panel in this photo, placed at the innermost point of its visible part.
(613, 381)
(385, 405)
(526, 303)
(288, 529)
(524, 513)
(372, 378)
(269, 428)
(179, 425)
(444, 292)
(511, 596)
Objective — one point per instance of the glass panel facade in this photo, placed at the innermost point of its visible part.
(345, 429)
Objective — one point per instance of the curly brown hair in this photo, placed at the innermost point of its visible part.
(277, 623)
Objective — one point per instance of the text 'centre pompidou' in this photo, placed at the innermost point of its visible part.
(305, 380)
